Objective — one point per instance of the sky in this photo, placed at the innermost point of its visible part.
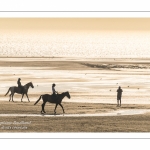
(98, 24)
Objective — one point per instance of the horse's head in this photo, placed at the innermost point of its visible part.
(31, 84)
(67, 94)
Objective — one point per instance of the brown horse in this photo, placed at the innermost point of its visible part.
(50, 99)
(15, 89)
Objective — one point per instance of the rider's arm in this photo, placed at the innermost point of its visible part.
(53, 89)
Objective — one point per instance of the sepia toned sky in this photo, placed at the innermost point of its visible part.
(101, 24)
(80, 37)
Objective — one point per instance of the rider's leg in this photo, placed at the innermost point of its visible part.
(120, 101)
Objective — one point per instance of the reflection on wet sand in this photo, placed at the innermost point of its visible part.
(112, 113)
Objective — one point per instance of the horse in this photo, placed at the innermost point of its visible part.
(15, 89)
(50, 99)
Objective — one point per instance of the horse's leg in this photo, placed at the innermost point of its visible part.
(22, 97)
(27, 97)
(55, 108)
(10, 97)
(62, 107)
(43, 105)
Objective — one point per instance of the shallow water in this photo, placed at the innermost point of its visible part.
(112, 113)
(75, 44)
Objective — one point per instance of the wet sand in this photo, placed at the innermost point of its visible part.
(111, 113)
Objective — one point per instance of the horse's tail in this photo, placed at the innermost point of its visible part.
(7, 91)
(38, 100)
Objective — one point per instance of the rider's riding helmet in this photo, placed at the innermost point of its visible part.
(53, 84)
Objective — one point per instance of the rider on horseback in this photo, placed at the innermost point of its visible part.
(19, 85)
(54, 92)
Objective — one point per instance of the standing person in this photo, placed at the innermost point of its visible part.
(119, 95)
(19, 85)
(54, 91)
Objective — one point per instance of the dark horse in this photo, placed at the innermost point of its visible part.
(15, 89)
(49, 98)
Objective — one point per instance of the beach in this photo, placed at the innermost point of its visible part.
(92, 85)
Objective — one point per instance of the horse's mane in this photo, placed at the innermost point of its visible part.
(27, 83)
(63, 93)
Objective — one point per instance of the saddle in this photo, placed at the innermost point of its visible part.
(21, 89)
(54, 97)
